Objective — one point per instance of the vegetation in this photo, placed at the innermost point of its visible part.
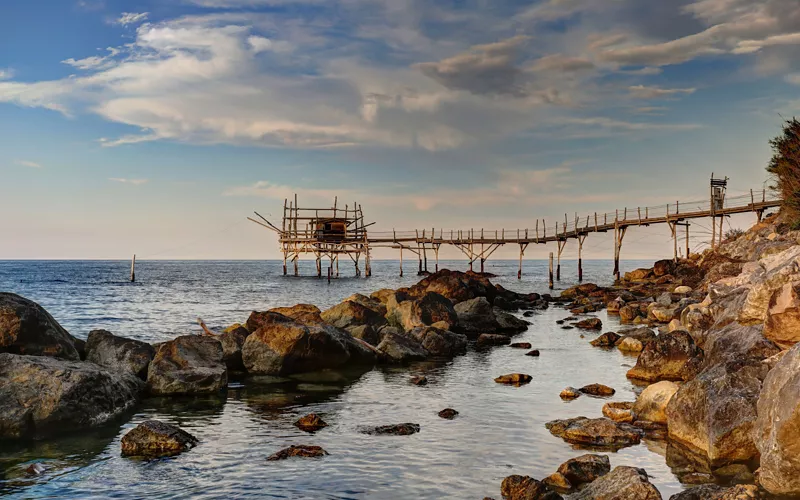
(733, 233)
(785, 169)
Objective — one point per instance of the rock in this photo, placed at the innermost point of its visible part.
(369, 302)
(665, 299)
(525, 488)
(557, 482)
(570, 393)
(660, 313)
(302, 313)
(119, 354)
(528, 314)
(153, 438)
(682, 290)
(608, 339)
(191, 364)
(775, 432)
(394, 430)
(630, 344)
(615, 305)
(440, 342)
(590, 324)
(26, 328)
(782, 325)
(643, 334)
(521, 345)
(401, 349)
(310, 423)
(663, 267)
(424, 311)
(619, 411)
(716, 492)
(651, 405)
(35, 469)
(493, 339)
(675, 325)
(601, 432)
(41, 395)
(282, 346)
(769, 275)
(623, 483)
(476, 316)
(508, 323)
(456, 286)
(638, 275)
(232, 341)
(383, 295)
(534, 352)
(713, 414)
(448, 413)
(514, 379)
(366, 333)
(419, 380)
(350, 313)
(597, 390)
(671, 356)
(628, 313)
(303, 451)
(736, 343)
(584, 469)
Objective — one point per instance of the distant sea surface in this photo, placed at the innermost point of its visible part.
(500, 430)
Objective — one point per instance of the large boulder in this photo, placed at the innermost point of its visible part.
(525, 488)
(401, 348)
(671, 356)
(373, 303)
(118, 353)
(153, 438)
(438, 342)
(456, 286)
(350, 313)
(713, 414)
(638, 275)
(508, 323)
(26, 328)
(426, 310)
(476, 316)
(282, 346)
(232, 340)
(584, 469)
(191, 364)
(600, 432)
(302, 313)
(41, 395)
(782, 325)
(651, 405)
(776, 428)
(764, 279)
(663, 267)
(622, 483)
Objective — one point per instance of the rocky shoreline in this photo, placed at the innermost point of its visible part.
(714, 337)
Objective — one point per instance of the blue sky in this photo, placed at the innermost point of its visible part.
(155, 127)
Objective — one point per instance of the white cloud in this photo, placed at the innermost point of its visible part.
(6, 73)
(643, 92)
(128, 18)
(135, 182)
(29, 164)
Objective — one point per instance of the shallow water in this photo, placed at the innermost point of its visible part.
(500, 430)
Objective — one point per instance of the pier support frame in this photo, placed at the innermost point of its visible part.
(619, 234)
(561, 244)
(522, 248)
(581, 238)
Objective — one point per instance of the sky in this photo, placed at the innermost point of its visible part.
(157, 127)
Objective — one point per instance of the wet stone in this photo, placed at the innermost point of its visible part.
(493, 339)
(153, 438)
(534, 352)
(304, 451)
(419, 380)
(448, 414)
(570, 393)
(597, 390)
(36, 469)
(394, 430)
(521, 345)
(311, 423)
(514, 379)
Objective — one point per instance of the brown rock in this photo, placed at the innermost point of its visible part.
(304, 451)
(601, 432)
(153, 438)
(590, 324)
(651, 405)
(570, 393)
(525, 488)
(585, 469)
(486, 339)
(27, 329)
(351, 313)
(311, 423)
(394, 430)
(302, 313)
(671, 356)
(534, 352)
(597, 390)
(521, 345)
(782, 325)
(619, 411)
(191, 364)
(623, 483)
(608, 339)
(514, 379)
(118, 353)
(419, 380)
(448, 413)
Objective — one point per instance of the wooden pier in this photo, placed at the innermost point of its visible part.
(478, 245)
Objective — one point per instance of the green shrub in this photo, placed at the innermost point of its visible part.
(785, 169)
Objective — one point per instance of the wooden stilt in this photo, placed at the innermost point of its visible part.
(580, 257)
(133, 268)
(551, 271)
(673, 227)
(561, 245)
(687, 240)
(401, 261)
(337, 265)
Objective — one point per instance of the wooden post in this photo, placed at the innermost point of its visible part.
(687, 239)
(337, 265)
(673, 227)
(561, 245)
(580, 257)
(424, 251)
(401, 260)
(521, 251)
(133, 268)
(319, 265)
(551, 270)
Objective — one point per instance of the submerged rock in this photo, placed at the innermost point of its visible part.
(303, 451)
(623, 483)
(521, 345)
(394, 430)
(310, 423)
(570, 393)
(26, 328)
(590, 324)
(118, 353)
(419, 380)
(448, 414)
(600, 432)
(534, 352)
(514, 379)
(153, 438)
(401, 349)
(597, 390)
(776, 428)
(191, 364)
(671, 356)
(42, 395)
(493, 339)
(608, 339)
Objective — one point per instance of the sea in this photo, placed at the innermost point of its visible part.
(499, 431)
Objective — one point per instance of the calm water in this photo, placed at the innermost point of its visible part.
(500, 430)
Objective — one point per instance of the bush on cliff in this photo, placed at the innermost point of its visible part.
(785, 169)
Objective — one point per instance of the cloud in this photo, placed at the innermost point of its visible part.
(266, 189)
(135, 182)
(29, 164)
(484, 69)
(565, 64)
(643, 92)
(609, 123)
(128, 18)
(6, 73)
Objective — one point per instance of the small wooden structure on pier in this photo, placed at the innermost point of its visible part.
(323, 232)
(333, 231)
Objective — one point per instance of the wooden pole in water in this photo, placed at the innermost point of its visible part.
(580, 257)
(687, 239)
(133, 268)
(551, 270)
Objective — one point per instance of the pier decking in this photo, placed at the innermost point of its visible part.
(353, 239)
